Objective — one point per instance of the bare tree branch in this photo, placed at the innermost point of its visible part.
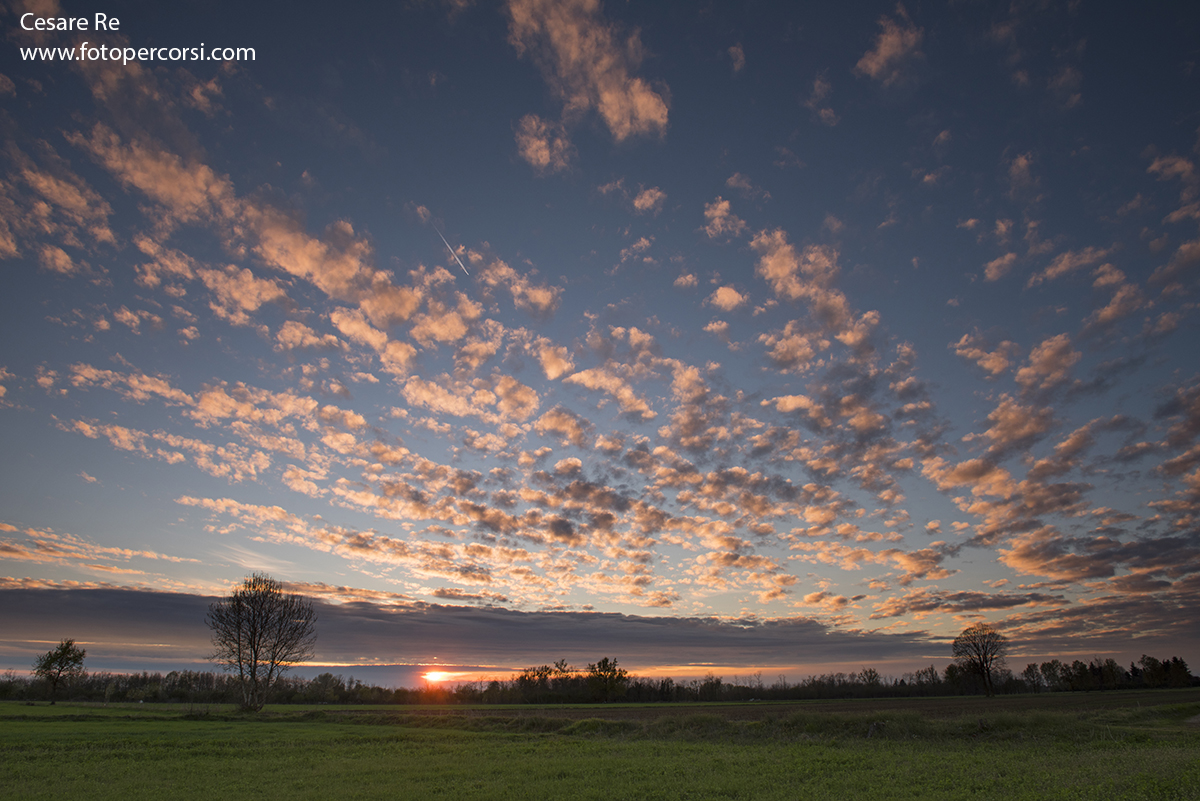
(980, 649)
(259, 632)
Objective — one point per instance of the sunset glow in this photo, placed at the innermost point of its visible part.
(774, 337)
(437, 676)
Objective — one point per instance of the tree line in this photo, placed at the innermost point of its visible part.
(259, 632)
(562, 683)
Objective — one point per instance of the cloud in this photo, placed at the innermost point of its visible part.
(293, 335)
(204, 96)
(973, 347)
(918, 603)
(187, 191)
(1065, 85)
(339, 264)
(636, 250)
(544, 145)
(478, 349)
(134, 319)
(352, 622)
(821, 89)
(555, 359)
(726, 299)
(746, 187)
(649, 200)
(56, 260)
(1043, 552)
(1067, 453)
(167, 265)
(1126, 300)
(1022, 181)
(721, 221)
(515, 400)
(738, 57)
(1068, 262)
(396, 357)
(354, 326)
(793, 349)
(570, 427)
(1176, 167)
(538, 300)
(471, 564)
(718, 328)
(511, 399)
(587, 64)
(1049, 364)
(827, 600)
(793, 276)
(239, 292)
(809, 276)
(1167, 167)
(983, 476)
(69, 549)
(802, 403)
(1184, 262)
(1108, 276)
(1015, 425)
(445, 323)
(896, 48)
(603, 379)
(136, 386)
(67, 206)
(243, 403)
(996, 269)
(230, 461)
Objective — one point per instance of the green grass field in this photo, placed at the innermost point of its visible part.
(1137, 745)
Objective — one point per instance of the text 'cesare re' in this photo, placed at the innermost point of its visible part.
(100, 22)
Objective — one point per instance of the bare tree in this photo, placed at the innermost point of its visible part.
(259, 633)
(63, 664)
(980, 650)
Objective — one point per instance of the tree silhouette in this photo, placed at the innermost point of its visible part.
(259, 633)
(64, 663)
(607, 680)
(980, 650)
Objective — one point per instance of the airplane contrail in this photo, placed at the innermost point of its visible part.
(452, 253)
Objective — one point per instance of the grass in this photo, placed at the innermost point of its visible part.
(1078, 747)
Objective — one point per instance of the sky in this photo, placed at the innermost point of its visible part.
(744, 337)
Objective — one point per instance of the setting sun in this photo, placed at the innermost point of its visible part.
(436, 676)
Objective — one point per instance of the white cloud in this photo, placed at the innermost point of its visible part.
(726, 299)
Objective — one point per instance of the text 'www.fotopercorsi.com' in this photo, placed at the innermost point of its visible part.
(94, 51)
